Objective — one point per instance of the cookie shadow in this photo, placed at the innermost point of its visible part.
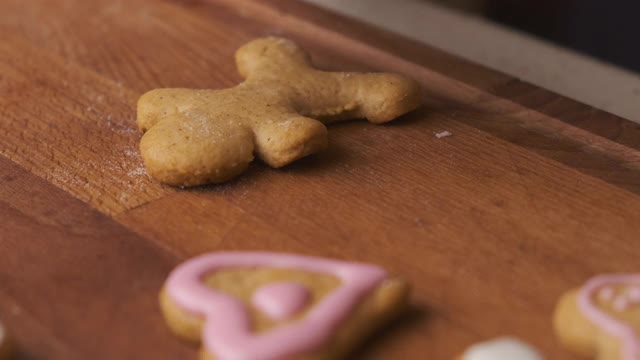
(337, 154)
(319, 162)
(420, 114)
(20, 353)
(413, 316)
(324, 162)
(311, 165)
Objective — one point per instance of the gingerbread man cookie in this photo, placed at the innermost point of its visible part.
(195, 137)
(269, 306)
(505, 348)
(601, 320)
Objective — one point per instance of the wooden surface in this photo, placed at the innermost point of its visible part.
(531, 195)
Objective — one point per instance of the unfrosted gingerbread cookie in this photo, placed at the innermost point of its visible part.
(504, 348)
(601, 320)
(195, 137)
(268, 306)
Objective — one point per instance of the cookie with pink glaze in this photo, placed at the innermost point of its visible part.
(601, 320)
(270, 306)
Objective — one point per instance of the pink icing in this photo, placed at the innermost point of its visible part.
(606, 293)
(634, 294)
(621, 303)
(281, 300)
(630, 347)
(227, 332)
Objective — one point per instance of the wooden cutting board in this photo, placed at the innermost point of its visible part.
(532, 194)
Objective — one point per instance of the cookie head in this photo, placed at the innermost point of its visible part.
(601, 320)
(266, 55)
(277, 306)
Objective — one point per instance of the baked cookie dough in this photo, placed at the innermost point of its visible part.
(601, 320)
(194, 137)
(259, 305)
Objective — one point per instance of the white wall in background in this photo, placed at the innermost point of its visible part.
(560, 70)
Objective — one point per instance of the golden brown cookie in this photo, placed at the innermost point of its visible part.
(196, 137)
(258, 305)
(601, 320)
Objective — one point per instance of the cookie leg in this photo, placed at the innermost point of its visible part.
(281, 141)
(191, 150)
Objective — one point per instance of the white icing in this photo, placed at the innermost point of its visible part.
(505, 348)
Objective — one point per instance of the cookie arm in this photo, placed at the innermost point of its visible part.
(377, 97)
(288, 137)
(380, 97)
(328, 96)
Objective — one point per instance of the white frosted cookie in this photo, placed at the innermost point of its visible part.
(505, 348)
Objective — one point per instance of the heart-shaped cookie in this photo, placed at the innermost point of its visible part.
(259, 305)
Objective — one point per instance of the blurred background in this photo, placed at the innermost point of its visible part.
(583, 49)
(607, 30)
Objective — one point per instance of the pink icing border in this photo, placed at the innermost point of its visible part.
(630, 341)
(227, 331)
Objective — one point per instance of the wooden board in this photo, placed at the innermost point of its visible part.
(531, 195)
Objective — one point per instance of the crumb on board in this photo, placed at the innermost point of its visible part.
(443, 134)
(136, 172)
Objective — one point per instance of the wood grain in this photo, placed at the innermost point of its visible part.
(75, 284)
(531, 195)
